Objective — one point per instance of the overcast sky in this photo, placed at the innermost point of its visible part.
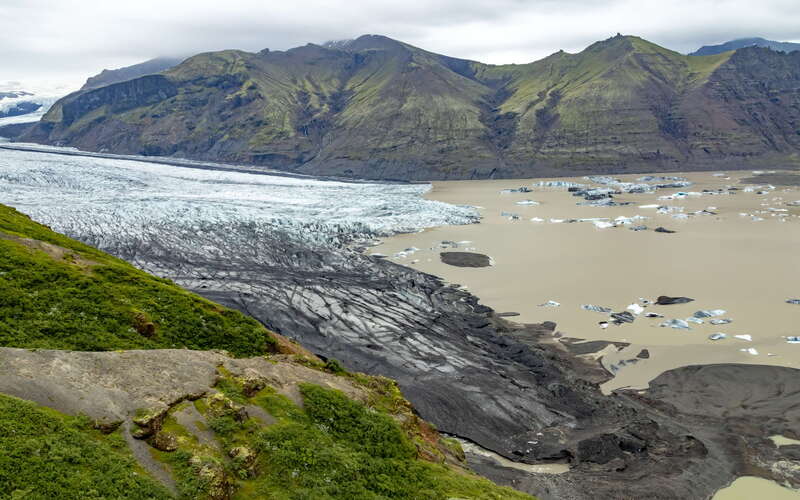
(68, 40)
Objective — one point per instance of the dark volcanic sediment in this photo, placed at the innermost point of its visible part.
(518, 390)
(465, 259)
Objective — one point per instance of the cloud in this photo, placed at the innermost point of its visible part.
(72, 39)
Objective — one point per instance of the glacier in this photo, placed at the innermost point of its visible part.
(102, 201)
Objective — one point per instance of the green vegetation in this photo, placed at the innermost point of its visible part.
(60, 294)
(330, 448)
(48, 455)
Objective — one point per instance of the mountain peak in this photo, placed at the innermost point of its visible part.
(374, 42)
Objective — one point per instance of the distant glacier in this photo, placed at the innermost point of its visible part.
(103, 201)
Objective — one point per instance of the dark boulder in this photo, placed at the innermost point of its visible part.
(664, 300)
(465, 259)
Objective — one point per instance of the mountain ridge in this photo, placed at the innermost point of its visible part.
(739, 43)
(378, 108)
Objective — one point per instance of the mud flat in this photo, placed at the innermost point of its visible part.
(748, 487)
(740, 256)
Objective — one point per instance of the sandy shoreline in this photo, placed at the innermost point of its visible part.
(725, 260)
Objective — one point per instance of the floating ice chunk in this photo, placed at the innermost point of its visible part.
(603, 202)
(558, 184)
(793, 301)
(718, 336)
(635, 309)
(594, 308)
(793, 339)
(721, 321)
(510, 215)
(638, 228)
(537, 219)
(694, 320)
(679, 184)
(556, 221)
(527, 202)
(680, 216)
(676, 323)
(602, 179)
(601, 224)
(628, 220)
(623, 317)
(750, 350)
(669, 209)
(656, 178)
(653, 315)
(603, 324)
(656, 205)
(709, 313)
(748, 338)
(550, 303)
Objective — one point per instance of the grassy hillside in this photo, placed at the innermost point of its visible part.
(330, 447)
(242, 438)
(50, 455)
(378, 108)
(60, 294)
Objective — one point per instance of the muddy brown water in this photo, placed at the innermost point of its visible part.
(743, 259)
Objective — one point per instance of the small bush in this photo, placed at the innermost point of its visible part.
(334, 366)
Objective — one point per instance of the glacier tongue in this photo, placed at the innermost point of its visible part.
(94, 198)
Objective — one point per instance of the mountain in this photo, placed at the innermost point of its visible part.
(149, 67)
(709, 50)
(378, 108)
(119, 384)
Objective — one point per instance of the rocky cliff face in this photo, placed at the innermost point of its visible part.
(380, 109)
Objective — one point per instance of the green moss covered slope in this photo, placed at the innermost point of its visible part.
(60, 294)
